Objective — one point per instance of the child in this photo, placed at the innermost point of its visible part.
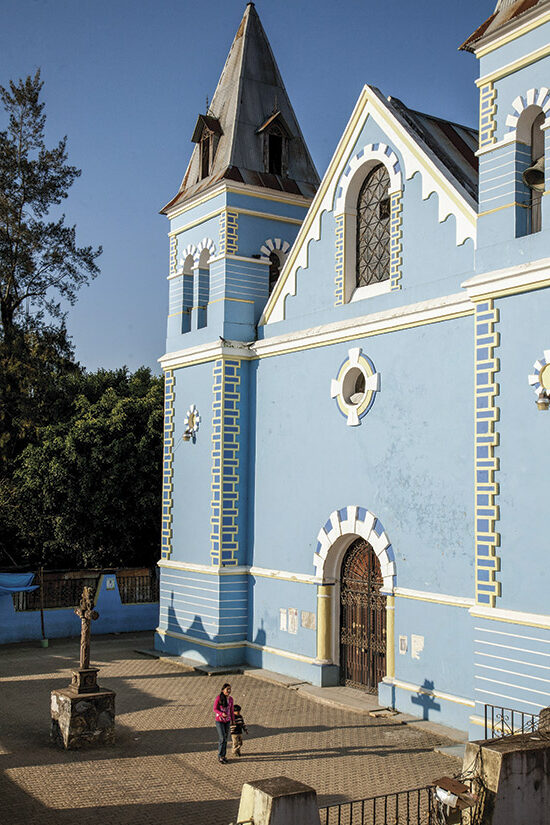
(237, 730)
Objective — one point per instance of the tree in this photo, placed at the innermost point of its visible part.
(40, 265)
(39, 259)
(88, 493)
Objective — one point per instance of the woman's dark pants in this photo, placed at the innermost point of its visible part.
(223, 733)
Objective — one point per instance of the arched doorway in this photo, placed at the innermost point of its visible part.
(362, 618)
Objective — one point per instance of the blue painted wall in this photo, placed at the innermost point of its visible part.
(114, 617)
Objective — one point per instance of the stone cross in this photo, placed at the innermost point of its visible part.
(86, 614)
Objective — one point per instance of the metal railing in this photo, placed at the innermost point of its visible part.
(137, 589)
(56, 592)
(500, 721)
(413, 807)
(63, 588)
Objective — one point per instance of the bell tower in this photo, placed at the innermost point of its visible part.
(514, 144)
(244, 195)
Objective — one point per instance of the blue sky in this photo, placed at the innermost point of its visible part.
(126, 79)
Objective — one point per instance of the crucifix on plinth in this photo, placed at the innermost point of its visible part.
(85, 678)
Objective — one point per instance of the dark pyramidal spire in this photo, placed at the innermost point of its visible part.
(250, 133)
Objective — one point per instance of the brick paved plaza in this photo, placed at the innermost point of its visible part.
(163, 768)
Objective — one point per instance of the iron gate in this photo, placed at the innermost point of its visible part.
(362, 619)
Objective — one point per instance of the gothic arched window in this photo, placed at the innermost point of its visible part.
(373, 228)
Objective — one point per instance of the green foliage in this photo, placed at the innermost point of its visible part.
(39, 259)
(80, 453)
(88, 492)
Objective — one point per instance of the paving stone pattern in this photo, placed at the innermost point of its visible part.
(163, 768)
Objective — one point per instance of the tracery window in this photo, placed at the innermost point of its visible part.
(373, 228)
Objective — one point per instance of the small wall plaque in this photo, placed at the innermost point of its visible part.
(417, 646)
(293, 620)
(110, 582)
(308, 620)
(282, 618)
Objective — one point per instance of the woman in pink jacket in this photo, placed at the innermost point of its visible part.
(223, 710)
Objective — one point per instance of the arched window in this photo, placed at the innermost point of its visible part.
(274, 270)
(203, 288)
(373, 228)
(187, 293)
(530, 170)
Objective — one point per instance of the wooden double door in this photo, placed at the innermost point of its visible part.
(362, 619)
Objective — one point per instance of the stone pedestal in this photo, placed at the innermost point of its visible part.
(82, 720)
(278, 801)
(514, 784)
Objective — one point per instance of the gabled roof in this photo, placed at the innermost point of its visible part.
(206, 122)
(441, 151)
(504, 17)
(250, 91)
(453, 144)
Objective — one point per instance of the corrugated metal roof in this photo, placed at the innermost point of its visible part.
(505, 12)
(250, 90)
(453, 144)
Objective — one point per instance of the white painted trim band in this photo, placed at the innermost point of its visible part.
(448, 697)
(511, 616)
(440, 598)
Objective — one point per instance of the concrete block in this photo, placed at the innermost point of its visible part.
(278, 801)
(514, 779)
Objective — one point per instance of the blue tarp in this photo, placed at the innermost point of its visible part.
(16, 582)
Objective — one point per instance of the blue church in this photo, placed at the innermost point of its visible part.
(357, 388)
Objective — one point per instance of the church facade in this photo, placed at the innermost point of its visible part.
(357, 388)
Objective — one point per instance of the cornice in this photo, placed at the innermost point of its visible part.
(404, 317)
(511, 31)
(509, 281)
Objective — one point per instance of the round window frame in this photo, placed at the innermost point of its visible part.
(354, 362)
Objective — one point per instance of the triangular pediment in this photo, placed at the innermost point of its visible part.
(442, 153)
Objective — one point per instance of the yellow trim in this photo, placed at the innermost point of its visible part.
(207, 571)
(235, 300)
(228, 645)
(390, 636)
(508, 38)
(432, 601)
(343, 147)
(343, 339)
(512, 290)
(196, 222)
(210, 215)
(301, 200)
(421, 157)
(510, 68)
(321, 192)
(506, 620)
(268, 216)
(499, 208)
(436, 693)
(354, 336)
(324, 622)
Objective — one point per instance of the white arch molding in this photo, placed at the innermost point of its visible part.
(357, 169)
(189, 252)
(274, 245)
(342, 527)
(536, 98)
(209, 245)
